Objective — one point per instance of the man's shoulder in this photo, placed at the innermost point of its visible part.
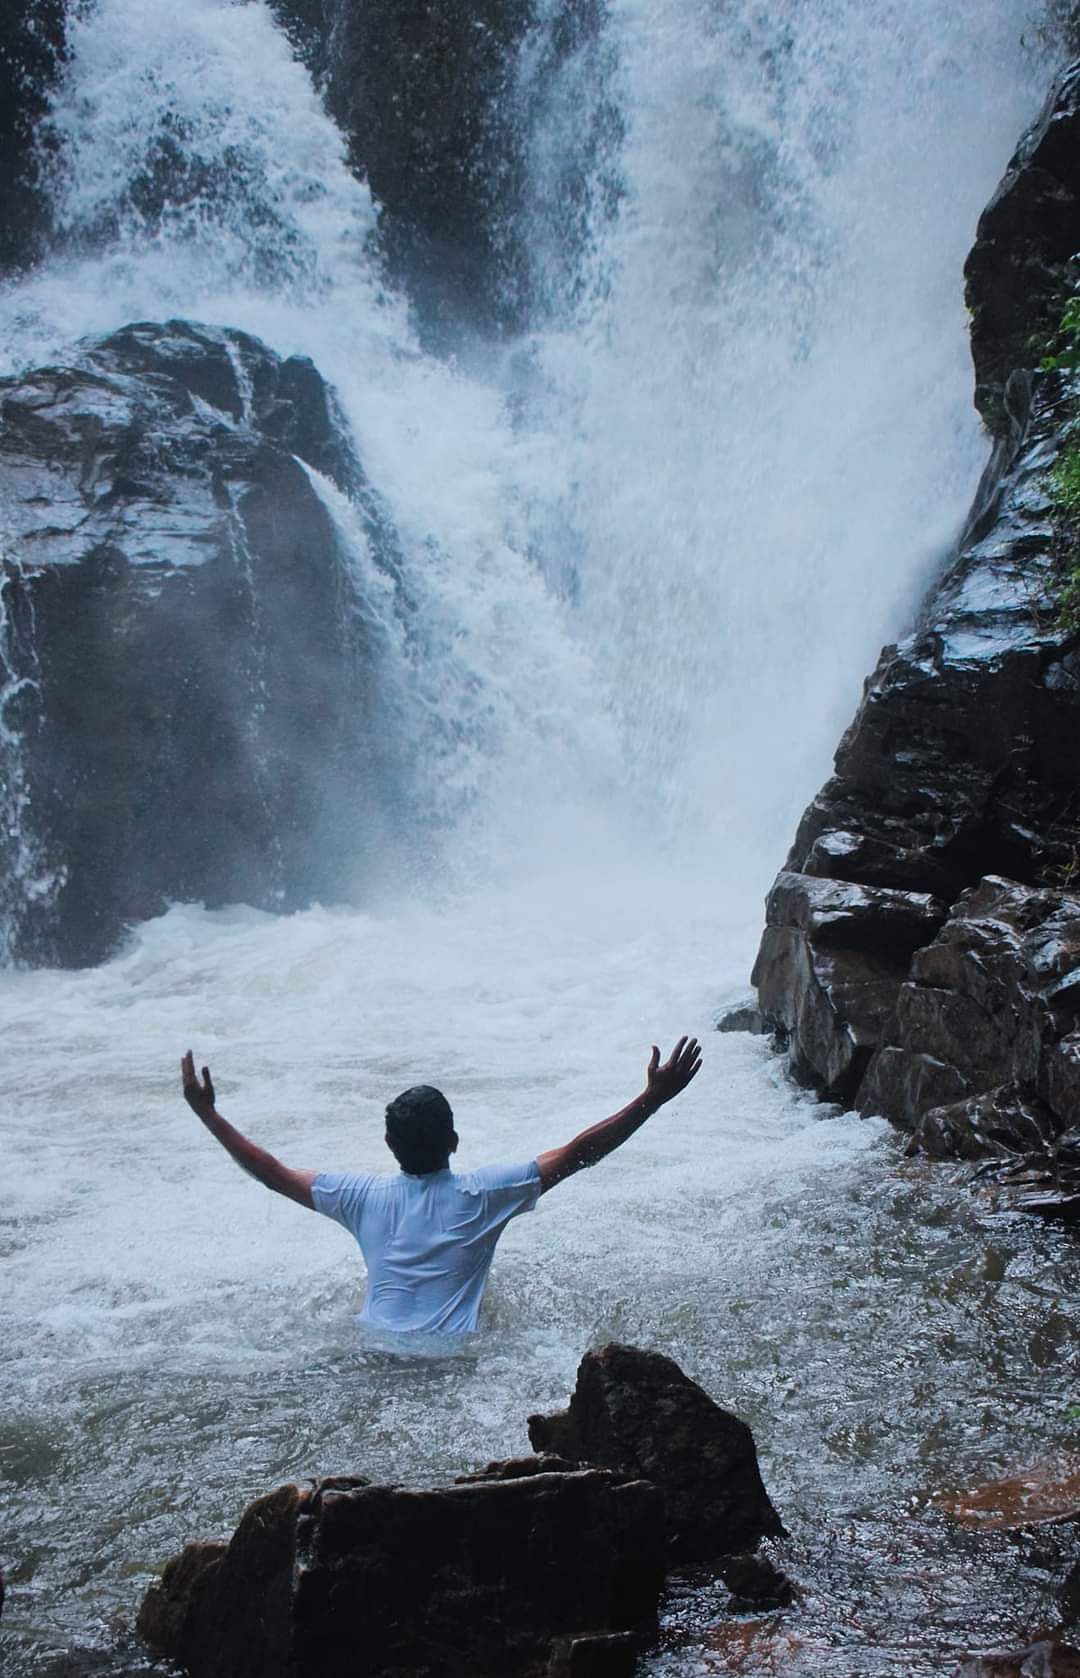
(512, 1175)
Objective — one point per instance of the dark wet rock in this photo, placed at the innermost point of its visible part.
(418, 91)
(984, 1060)
(1001, 1123)
(1047, 1659)
(188, 660)
(637, 1413)
(499, 1575)
(32, 45)
(438, 121)
(1069, 1597)
(1023, 262)
(830, 965)
(613, 1656)
(747, 1017)
(756, 1584)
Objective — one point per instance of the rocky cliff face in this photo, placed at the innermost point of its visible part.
(31, 54)
(921, 947)
(185, 661)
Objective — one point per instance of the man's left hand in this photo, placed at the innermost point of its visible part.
(198, 1095)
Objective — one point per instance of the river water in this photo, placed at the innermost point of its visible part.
(653, 547)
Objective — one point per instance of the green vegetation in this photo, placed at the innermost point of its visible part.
(1063, 350)
(1062, 355)
(1065, 493)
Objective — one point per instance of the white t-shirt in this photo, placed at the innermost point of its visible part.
(427, 1241)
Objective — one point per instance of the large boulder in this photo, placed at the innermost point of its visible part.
(186, 668)
(637, 1413)
(527, 1569)
(32, 45)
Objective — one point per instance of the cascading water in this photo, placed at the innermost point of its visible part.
(647, 551)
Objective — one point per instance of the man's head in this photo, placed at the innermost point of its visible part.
(420, 1130)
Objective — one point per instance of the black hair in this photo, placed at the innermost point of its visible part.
(420, 1130)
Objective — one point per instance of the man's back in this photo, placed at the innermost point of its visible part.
(428, 1235)
(427, 1240)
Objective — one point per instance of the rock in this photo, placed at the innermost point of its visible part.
(505, 1573)
(32, 47)
(756, 1583)
(637, 1413)
(987, 1039)
(1069, 1596)
(1023, 262)
(747, 1018)
(1048, 1493)
(830, 967)
(1048, 1659)
(614, 1656)
(418, 91)
(190, 669)
(438, 116)
(1002, 1123)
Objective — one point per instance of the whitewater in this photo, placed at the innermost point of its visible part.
(653, 545)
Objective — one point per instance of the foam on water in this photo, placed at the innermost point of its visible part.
(175, 1340)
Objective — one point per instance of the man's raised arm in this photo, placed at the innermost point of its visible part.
(662, 1083)
(295, 1185)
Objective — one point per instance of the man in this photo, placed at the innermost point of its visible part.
(428, 1235)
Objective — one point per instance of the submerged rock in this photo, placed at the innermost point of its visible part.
(1047, 1659)
(188, 662)
(636, 1412)
(505, 1573)
(1047, 1493)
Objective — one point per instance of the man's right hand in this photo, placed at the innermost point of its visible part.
(199, 1096)
(664, 1083)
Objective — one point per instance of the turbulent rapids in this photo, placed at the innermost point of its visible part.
(647, 534)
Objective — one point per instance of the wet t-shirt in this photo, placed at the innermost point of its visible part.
(427, 1241)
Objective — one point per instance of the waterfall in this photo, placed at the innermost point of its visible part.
(650, 546)
(623, 570)
(757, 365)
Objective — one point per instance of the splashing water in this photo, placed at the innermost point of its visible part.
(648, 551)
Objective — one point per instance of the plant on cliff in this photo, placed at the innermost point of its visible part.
(1063, 350)
(1062, 355)
(1064, 480)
